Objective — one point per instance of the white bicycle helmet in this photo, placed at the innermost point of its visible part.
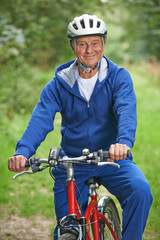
(86, 25)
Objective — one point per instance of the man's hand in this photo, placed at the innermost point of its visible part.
(118, 152)
(17, 163)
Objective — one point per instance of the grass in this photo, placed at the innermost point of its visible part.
(146, 150)
(32, 195)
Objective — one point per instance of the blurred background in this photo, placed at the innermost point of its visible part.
(33, 43)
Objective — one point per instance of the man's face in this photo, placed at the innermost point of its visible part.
(89, 50)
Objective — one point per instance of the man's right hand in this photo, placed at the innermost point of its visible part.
(17, 163)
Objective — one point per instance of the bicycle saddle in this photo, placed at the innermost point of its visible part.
(92, 180)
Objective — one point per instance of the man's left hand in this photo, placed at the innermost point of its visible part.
(118, 152)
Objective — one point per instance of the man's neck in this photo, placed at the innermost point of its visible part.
(86, 75)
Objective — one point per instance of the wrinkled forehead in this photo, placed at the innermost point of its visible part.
(88, 38)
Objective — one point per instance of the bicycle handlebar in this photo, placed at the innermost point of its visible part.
(95, 158)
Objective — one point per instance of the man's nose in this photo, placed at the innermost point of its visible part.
(89, 49)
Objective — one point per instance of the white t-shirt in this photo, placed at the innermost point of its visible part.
(86, 86)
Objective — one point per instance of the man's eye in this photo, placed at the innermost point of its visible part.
(82, 44)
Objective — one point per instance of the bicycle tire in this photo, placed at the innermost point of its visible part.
(108, 208)
(67, 236)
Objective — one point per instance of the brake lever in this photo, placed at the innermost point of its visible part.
(21, 173)
(108, 163)
(37, 169)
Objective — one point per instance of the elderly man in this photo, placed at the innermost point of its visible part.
(97, 103)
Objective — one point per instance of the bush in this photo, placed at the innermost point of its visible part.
(20, 87)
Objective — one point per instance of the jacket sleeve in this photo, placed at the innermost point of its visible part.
(124, 108)
(41, 122)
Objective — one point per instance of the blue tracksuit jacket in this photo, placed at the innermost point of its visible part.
(109, 117)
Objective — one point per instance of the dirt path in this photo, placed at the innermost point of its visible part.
(20, 228)
(13, 227)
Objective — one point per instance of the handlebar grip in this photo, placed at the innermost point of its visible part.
(106, 154)
(27, 164)
(128, 153)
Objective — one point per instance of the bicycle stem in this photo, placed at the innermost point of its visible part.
(70, 171)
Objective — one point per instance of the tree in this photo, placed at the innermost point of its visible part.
(142, 28)
(43, 25)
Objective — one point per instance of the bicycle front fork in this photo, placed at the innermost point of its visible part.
(73, 225)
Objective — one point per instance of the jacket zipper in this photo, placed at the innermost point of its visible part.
(89, 122)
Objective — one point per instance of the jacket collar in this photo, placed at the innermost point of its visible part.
(67, 71)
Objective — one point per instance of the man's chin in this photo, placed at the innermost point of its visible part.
(92, 65)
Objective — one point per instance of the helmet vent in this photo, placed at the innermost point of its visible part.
(75, 26)
(91, 23)
(98, 24)
(82, 23)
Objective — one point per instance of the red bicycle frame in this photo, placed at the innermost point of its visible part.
(91, 212)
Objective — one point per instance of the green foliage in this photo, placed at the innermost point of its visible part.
(20, 87)
(146, 150)
(133, 29)
(43, 25)
(11, 41)
(36, 29)
(143, 29)
(34, 33)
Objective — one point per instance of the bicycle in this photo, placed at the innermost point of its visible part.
(101, 219)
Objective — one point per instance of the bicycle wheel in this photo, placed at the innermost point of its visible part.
(107, 207)
(67, 236)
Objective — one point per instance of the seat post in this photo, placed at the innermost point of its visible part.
(92, 182)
